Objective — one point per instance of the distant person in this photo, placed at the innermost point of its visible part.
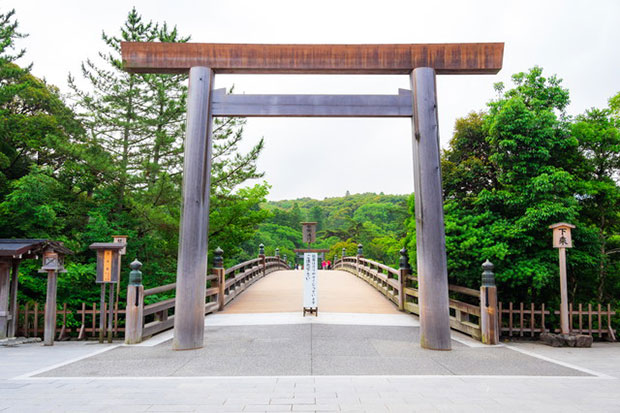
(329, 265)
(324, 264)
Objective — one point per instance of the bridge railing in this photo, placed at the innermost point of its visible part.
(473, 312)
(223, 285)
(383, 278)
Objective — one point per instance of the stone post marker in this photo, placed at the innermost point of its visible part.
(135, 305)
(488, 306)
(562, 240)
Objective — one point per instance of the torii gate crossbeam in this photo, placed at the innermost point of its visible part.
(421, 61)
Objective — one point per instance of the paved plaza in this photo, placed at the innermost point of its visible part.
(281, 361)
(299, 365)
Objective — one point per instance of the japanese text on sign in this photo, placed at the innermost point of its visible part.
(107, 266)
(310, 280)
(562, 238)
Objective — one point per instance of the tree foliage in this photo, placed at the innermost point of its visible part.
(512, 171)
(111, 163)
(375, 221)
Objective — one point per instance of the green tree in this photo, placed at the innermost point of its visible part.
(465, 166)
(598, 133)
(44, 158)
(509, 174)
(140, 120)
(48, 168)
(316, 215)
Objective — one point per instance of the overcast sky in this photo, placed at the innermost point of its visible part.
(577, 40)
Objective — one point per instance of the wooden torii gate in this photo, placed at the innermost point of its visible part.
(420, 61)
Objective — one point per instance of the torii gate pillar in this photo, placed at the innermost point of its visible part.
(430, 234)
(189, 313)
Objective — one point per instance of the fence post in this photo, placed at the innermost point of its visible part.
(218, 269)
(134, 311)
(261, 255)
(488, 306)
(405, 270)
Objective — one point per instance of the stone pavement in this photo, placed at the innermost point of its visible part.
(306, 350)
(115, 378)
(280, 361)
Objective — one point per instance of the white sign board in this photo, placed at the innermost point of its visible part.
(311, 288)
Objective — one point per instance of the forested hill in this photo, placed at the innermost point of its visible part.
(375, 220)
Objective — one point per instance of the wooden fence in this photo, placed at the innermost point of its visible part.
(31, 315)
(223, 285)
(525, 320)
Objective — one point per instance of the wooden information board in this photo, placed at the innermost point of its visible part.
(309, 232)
(108, 261)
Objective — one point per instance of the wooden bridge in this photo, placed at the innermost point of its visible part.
(355, 285)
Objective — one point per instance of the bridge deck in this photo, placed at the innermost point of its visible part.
(339, 292)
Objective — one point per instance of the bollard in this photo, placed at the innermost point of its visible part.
(135, 305)
(488, 306)
(404, 272)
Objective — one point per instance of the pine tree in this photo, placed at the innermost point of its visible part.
(114, 111)
(140, 120)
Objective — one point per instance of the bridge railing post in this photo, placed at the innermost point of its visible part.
(404, 272)
(488, 306)
(134, 322)
(220, 273)
(261, 255)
